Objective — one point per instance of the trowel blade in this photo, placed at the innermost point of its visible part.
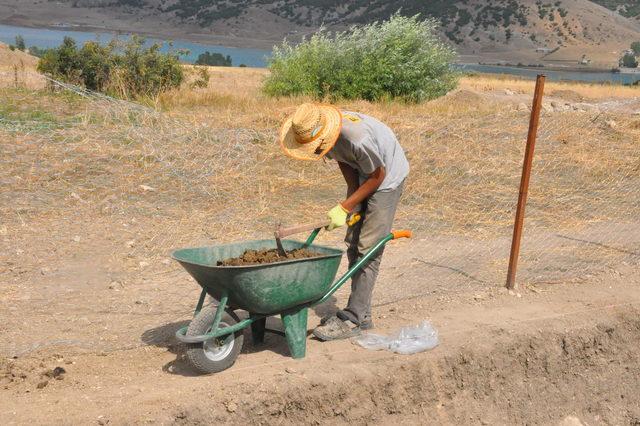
(281, 250)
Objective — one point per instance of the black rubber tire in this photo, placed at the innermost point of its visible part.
(201, 324)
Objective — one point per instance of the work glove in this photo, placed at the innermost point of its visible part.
(337, 216)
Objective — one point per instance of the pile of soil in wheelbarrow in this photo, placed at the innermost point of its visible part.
(258, 257)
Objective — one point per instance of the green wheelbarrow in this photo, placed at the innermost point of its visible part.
(288, 288)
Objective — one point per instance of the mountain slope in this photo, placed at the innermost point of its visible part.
(627, 8)
(495, 29)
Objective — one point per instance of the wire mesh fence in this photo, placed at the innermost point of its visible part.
(99, 172)
(187, 180)
(582, 213)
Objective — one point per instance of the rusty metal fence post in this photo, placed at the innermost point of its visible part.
(524, 181)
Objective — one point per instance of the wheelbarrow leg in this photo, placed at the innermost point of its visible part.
(295, 331)
(203, 294)
(257, 330)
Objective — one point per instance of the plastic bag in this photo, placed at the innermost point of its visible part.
(372, 341)
(406, 341)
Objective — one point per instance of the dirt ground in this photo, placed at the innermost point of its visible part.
(93, 201)
(541, 355)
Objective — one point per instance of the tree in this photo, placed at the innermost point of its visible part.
(629, 61)
(62, 62)
(635, 46)
(20, 43)
(214, 59)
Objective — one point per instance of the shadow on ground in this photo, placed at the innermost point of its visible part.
(164, 337)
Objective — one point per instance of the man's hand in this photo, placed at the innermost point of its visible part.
(337, 216)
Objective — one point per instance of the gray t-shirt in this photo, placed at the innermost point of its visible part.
(366, 144)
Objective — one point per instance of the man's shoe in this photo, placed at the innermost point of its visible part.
(335, 329)
(326, 318)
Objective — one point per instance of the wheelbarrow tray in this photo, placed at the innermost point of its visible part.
(264, 289)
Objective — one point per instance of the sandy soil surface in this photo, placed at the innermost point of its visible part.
(537, 355)
(85, 288)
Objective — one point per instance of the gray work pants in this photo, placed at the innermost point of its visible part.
(377, 212)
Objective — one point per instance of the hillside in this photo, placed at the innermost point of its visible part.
(10, 58)
(628, 8)
(18, 68)
(495, 30)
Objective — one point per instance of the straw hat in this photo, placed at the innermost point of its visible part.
(311, 131)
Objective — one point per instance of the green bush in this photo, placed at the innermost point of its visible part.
(399, 58)
(124, 69)
(63, 62)
(144, 70)
(635, 46)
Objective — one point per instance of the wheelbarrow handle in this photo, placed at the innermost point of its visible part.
(394, 235)
(403, 233)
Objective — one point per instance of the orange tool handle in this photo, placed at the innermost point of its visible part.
(403, 233)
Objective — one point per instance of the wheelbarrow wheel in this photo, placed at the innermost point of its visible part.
(217, 354)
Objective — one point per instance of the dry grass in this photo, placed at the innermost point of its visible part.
(9, 59)
(243, 85)
(209, 167)
(18, 69)
(483, 83)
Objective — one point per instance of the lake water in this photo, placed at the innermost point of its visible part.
(258, 57)
(590, 77)
(53, 38)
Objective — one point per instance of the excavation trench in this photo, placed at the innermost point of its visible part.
(589, 374)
